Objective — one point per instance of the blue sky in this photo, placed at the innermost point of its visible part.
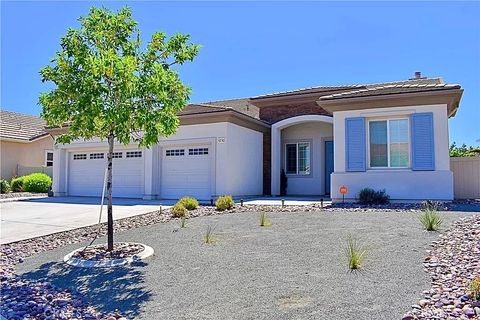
(251, 48)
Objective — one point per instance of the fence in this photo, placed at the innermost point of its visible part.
(466, 177)
(23, 170)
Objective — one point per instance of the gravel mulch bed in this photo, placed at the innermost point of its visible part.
(11, 195)
(16, 292)
(99, 252)
(452, 263)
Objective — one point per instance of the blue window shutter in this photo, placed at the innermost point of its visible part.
(355, 146)
(423, 149)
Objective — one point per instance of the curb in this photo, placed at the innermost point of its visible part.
(76, 262)
(13, 199)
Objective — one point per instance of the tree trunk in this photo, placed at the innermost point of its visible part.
(109, 193)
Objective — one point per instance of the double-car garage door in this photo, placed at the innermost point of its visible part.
(184, 171)
(87, 170)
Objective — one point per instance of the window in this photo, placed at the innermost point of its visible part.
(297, 158)
(96, 156)
(175, 152)
(197, 151)
(49, 158)
(80, 156)
(389, 143)
(134, 154)
(117, 155)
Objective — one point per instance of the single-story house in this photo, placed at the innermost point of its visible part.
(391, 136)
(24, 145)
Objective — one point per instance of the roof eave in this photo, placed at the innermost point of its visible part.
(450, 97)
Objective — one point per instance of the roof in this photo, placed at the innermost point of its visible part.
(241, 105)
(19, 126)
(411, 86)
(353, 87)
(197, 108)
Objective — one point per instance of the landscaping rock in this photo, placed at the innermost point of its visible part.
(453, 262)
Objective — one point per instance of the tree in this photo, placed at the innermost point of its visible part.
(106, 86)
(463, 150)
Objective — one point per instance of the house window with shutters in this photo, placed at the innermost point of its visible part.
(388, 143)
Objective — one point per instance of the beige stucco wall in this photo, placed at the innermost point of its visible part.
(31, 154)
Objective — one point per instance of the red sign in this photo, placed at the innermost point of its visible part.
(343, 190)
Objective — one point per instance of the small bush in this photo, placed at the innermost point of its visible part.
(370, 196)
(17, 184)
(4, 186)
(189, 203)
(432, 205)
(355, 253)
(475, 288)
(37, 182)
(431, 220)
(178, 210)
(224, 203)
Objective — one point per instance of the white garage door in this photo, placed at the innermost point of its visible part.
(87, 169)
(186, 171)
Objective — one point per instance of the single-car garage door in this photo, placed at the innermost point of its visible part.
(186, 171)
(87, 169)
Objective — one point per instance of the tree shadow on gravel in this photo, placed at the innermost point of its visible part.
(106, 289)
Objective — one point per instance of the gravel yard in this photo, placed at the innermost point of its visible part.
(295, 269)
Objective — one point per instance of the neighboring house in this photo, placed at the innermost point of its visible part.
(24, 144)
(391, 136)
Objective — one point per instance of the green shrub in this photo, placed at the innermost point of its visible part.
(370, 196)
(475, 288)
(355, 253)
(178, 210)
(224, 203)
(189, 203)
(37, 182)
(4, 186)
(431, 220)
(17, 184)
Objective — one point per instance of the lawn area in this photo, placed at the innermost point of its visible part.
(294, 269)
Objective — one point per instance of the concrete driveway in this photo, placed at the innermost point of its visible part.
(33, 218)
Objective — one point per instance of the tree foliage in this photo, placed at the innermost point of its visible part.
(105, 84)
(463, 150)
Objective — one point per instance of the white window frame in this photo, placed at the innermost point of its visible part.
(285, 158)
(46, 157)
(387, 119)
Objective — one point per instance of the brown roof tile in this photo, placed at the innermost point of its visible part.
(20, 126)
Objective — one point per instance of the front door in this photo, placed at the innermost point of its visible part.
(328, 164)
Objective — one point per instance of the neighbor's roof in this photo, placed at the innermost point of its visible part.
(18, 126)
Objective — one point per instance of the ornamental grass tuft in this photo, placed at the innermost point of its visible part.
(431, 220)
(264, 222)
(355, 253)
(209, 236)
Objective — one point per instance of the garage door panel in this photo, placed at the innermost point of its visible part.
(86, 175)
(186, 173)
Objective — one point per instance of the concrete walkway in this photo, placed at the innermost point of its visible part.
(289, 200)
(33, 218)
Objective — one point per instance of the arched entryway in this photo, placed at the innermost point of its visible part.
(298, 146)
